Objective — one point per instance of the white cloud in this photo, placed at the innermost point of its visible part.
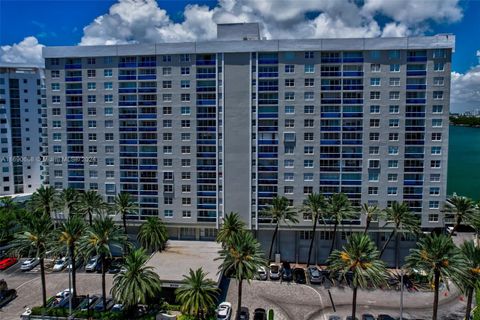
(465, 90)
(26, 51)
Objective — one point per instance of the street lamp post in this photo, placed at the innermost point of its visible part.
(70, 290)
(401, 294)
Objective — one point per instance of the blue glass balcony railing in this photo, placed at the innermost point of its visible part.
(127, 90)
(147, 77)
(129, 77)
(416, 86)
(416, 59)
(127, 65)
(73, 79)
(73, 66)
(416, 101)
(73, 91)
(416, 73)
(147, 64)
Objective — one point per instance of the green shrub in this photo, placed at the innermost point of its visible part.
(270, 314)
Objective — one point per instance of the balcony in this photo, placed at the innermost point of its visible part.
(147, 77)
(127, 65)
(73, 79)
(416, 59)
(71, 66)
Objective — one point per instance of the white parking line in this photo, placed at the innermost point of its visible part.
(321, 300)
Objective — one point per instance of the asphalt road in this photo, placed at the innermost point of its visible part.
(28, 286)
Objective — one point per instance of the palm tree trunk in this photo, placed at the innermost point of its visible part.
(273, 240)
(42, 277)
(367, 225)
(397, 243)
(104, 291)
(469, 303)
(312, 241)
(239, 303)
(455, 227)
(385, 245)
(435, 297)
(334, 237)
(90, 218)
(74, 271)
(354, 303)
(124, 219)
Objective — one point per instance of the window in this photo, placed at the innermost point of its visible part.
(432, 217)
(108, 111)
(436, 150)
(437, 123)
(185, 136)
(167, 97)
(394, 123)
(92, 124)
(309, 96)
(374, 109)
(186, 201)
(374, 123)
(434, 191)
(91, 86)
(55, 86)
(289, 68)
(57, 149)
(167, 136)
(374, 136)
(307, 190)
(288, 163)
(373, 191)
(309, 54)
(107, 60)
(392, 177)
(166, 58)
(394, 109)
(308, 150)
(308, 163)
(374, 81)
(109, 161)
(308, 123)
(108, 85)
(373, 150)
(91, 99)
(375, 67)
(436, 136)
(289, 83)
(288, 176)
(373, 176)
(167, 213)
(289, 109)
(288, 190)
(108, 98)
(185, 57)
(438, 66)
(437, 109)
(308, 109)
(167, 123)
(167, 84)
(186, 176)
(185, 149)
(185, 162)
(57, 136)
(109, 149)
(394, 95)
(185, 111)
(393, 136)
(56, 111)
(56, 124)
(185, 84)
(375, 95)
(392, 150)
(55, 74)
(186, 188)
(392, 164)
(435, 164)
(55, 99)
(437, 95)
(289, 96)
(394, 68)
(91, 73)
(392, 191)
(438, 81)
(309, 68)
(109, 136)
(90, 60)
(107, 73)
(394, 82)
(435, 177)
(309, 82)
(185, 123)
(166, 71)
(308, 136)
(308, 177)
(289, 123)
(434, 204)
(394, 54)
(185, 71)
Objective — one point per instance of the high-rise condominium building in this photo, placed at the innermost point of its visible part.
(22, 104)
(197, 130)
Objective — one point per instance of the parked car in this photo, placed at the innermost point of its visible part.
(6, 296)
(118, 307)
(87, 303)
(367, 316)
(99, 304)
(286, 272)
(60, 264)
(385, 317)
(78, 264)
(116, 266)
(274, 272)
(7, 262)
(261, 274)
(224, 311)
(259, 314)
(29, 264)
(314, 275)
(299, 275)
(334, 317)
(64, 293)
(350, 318)
(92, 264)
(244, 314)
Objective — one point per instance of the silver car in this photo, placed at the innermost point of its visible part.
(29, 264)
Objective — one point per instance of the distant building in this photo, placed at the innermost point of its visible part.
(22, 113)
(196, 130)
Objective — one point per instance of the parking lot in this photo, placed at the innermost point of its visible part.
(28, 286)
(292, 301)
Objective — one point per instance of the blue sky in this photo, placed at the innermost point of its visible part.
(27, 25)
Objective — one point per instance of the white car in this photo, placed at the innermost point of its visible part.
(92, 264)
(261, 273)
(274, 272)
(63, 294)
(29, 264)
(224, 311)
(60, 264)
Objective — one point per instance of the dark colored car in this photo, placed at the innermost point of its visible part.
(350, 318)
(87, 303)
(334, 317)
(367, 316)
(286, 272)
(259, 314)
(314, 275)
(7, 262)
(99, 305)
(385, 317)
(244, 314)
(115, 266)
(6, 296)
(299, 276)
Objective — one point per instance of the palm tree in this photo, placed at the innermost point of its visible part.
(91, 203)
(124, 205)
(99, 239)
(8, 219)
(68, 199)
(338, 209)
(461, 208)
(70, 233)
(136, 283)
(43, 200)
(197, 294)
(35, 238)
(472, 256)
(360, 257)
(242, 258)
(438, 258)
(280, 211)
(371, 213)
(232, 224)
(153, 234)
(314, 208)
(401, 218)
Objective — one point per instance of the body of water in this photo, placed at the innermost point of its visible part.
(464, 162)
